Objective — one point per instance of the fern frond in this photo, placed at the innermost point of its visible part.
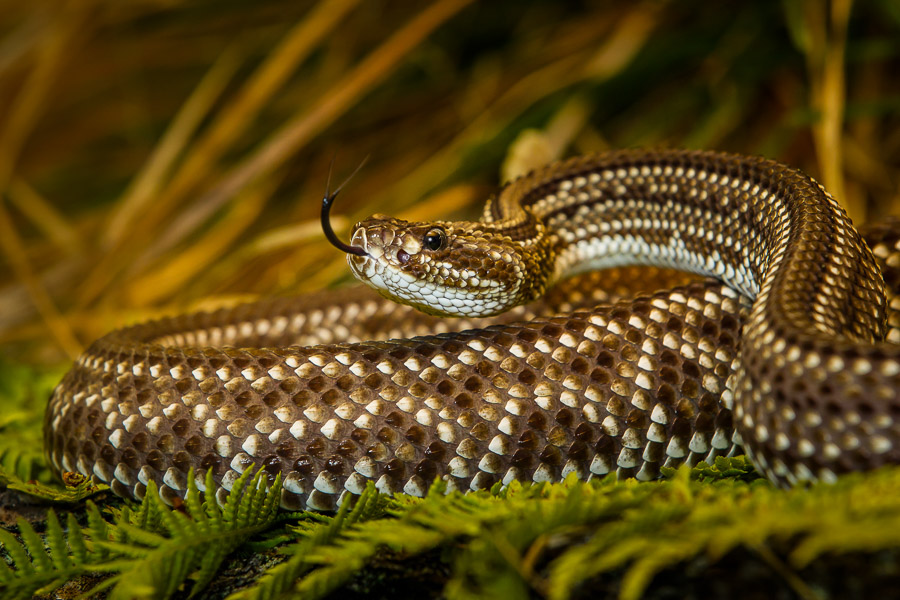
(16, 552)
(82, 488)
(316, 534)
(98, 529)
(150, 513)
(212, 509)
(56, 541)
(77, 544)
(499, 538)
(38, 568)
(159, 562)
(150, 551)
(35, 546)
(6, 574)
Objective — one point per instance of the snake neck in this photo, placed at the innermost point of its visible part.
(535, 245)
(738, 219)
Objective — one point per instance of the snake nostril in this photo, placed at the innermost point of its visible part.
(402, 256)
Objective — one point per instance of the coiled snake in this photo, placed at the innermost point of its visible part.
(786, 357)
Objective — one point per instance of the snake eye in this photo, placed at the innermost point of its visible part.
(435, 239)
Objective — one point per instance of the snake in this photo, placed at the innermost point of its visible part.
(783, 346)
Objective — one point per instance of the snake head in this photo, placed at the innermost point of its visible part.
(447, 268)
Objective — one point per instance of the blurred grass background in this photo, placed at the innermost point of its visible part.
(160, 155)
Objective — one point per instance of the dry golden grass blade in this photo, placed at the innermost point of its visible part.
(163, 282)
(242, 112)
(44, 216)
(148, 182)
(623, 38)
(290, 236)
(14, 249)
(866, 160)
(288, 139)
(825, 62)
(626, 40)
(25, 112)
(18, 311)
(16, 45)
(445, 202)
(483, 128)
(229, 124)
(534, 148)
(829, 132)
(29, 102)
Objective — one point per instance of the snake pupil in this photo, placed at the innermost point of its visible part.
(434, 239)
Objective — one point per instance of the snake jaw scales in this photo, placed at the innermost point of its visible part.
(782, 358)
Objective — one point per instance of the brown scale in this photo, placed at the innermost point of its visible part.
(532, 399)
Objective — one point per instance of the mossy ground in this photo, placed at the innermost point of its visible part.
(712, 531)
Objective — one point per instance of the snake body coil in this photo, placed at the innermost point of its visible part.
(785, 357)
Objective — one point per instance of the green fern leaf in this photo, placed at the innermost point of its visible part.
(36, 568)
(56, 541)
(212, 509)
(76, 539)
(158, 563)
(35, 547)
(16, 552)
(52, 493)
(318, 532)
(98, 528)
(149, 516)
(6, 574)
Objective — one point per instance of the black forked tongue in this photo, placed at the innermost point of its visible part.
(327, 201)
